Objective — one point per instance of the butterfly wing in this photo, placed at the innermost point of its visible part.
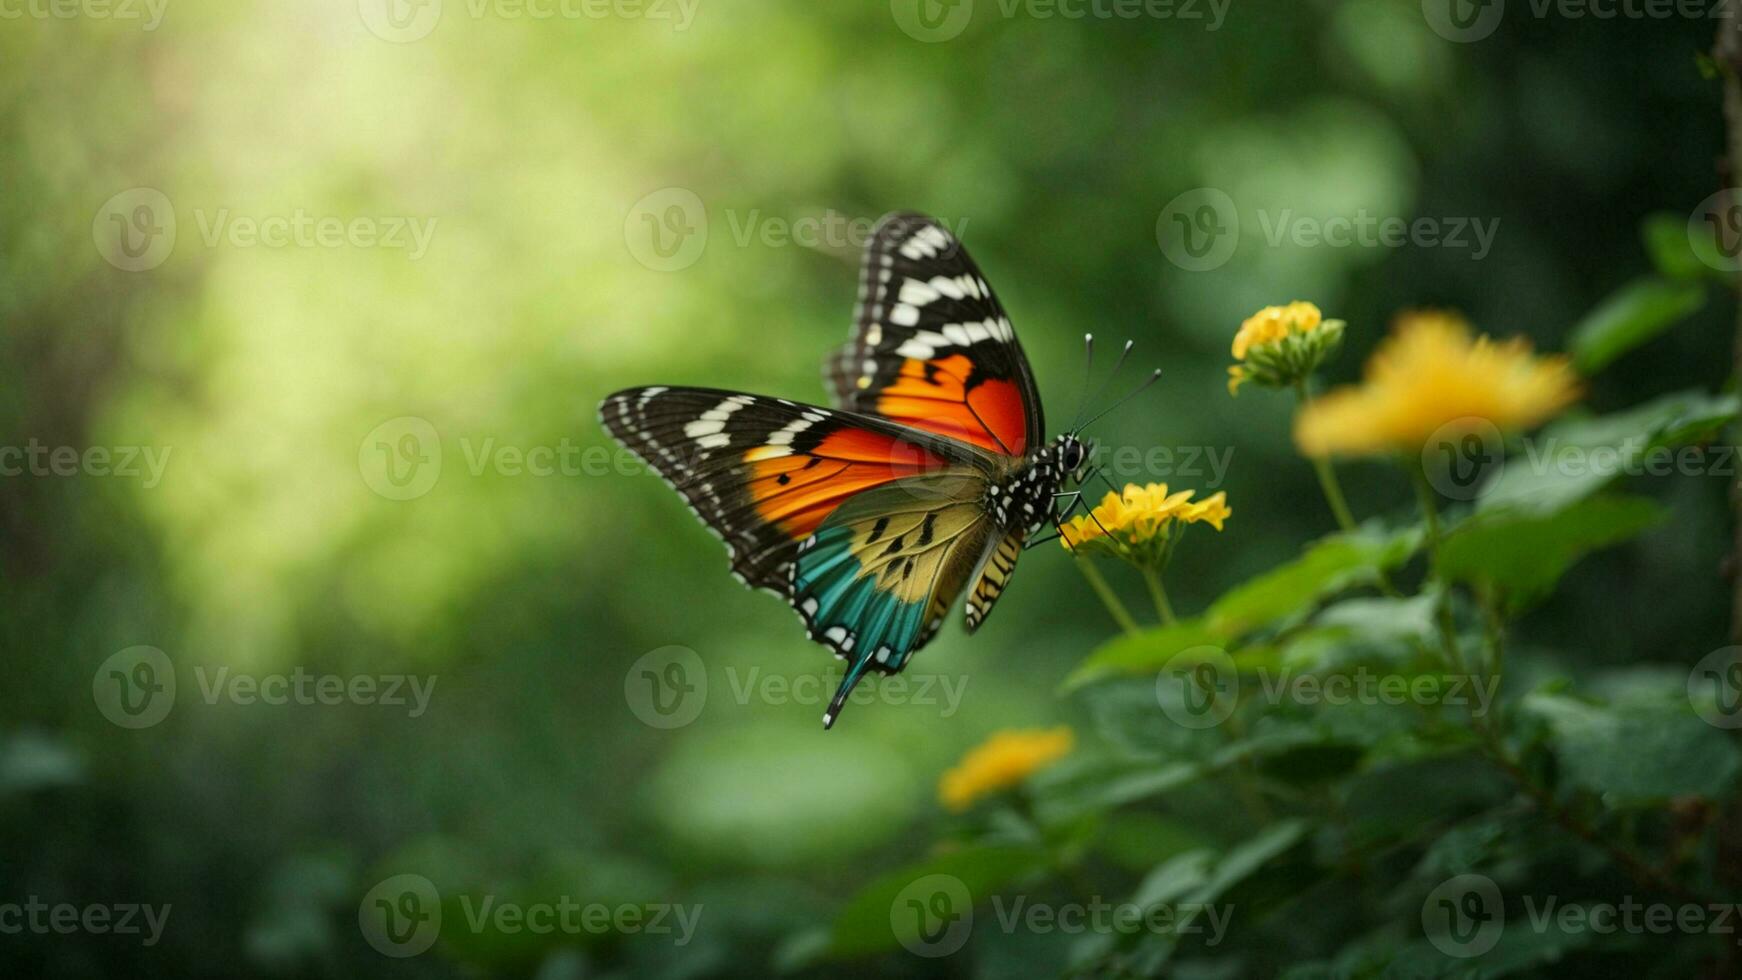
(932, 347)
(880, 574)
(763, 473)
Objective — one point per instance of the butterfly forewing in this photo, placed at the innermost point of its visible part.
(932, 346)
(763, 473)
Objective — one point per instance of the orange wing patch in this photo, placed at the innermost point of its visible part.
(935, 395)
(797, 492)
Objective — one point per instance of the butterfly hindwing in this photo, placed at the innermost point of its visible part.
(764, 473)
(932, 346)
(880, 574)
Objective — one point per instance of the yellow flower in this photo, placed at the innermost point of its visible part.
(1002, 761)
(1280, 345)
(1212, 510)
(1274, 323)
(1136, 524)
(1429, 374)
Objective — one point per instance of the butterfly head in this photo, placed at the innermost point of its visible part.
(1072, 454)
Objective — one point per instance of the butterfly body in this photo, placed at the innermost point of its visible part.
(922, 483)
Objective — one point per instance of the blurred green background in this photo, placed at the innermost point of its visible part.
(540, 157)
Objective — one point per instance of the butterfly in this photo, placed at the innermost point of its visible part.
(924, 481)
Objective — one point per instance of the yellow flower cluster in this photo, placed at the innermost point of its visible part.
(1274, 323)
(1131, 523)
(1431, 373)
(1276, 347)
(1002, 761)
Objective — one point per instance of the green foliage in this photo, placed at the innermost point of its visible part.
(1635, 314)
(1636, 755)
(1522, 553)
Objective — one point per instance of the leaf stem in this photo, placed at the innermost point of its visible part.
(1163, 608)
(1115, 608)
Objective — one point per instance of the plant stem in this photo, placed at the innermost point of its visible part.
(1163, 608)
(1424, 494)
(1327, 476)
(1117, 609)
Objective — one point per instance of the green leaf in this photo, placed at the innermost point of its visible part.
(1639, 754)
(1678, 255)
(1523, 553)
(1634, 314)
(1141, 652)
(1381, 620)
(1069, 790)
(1139, 841)
(1192, 882)
(1575, 457)
(864, 925)
(1329, 566)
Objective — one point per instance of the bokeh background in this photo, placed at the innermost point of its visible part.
(544, 157)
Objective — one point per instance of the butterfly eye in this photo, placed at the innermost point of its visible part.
(1072, 457)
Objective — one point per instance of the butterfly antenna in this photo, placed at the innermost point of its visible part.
(1088, 372)
(1117, 364)
(1152, 379)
